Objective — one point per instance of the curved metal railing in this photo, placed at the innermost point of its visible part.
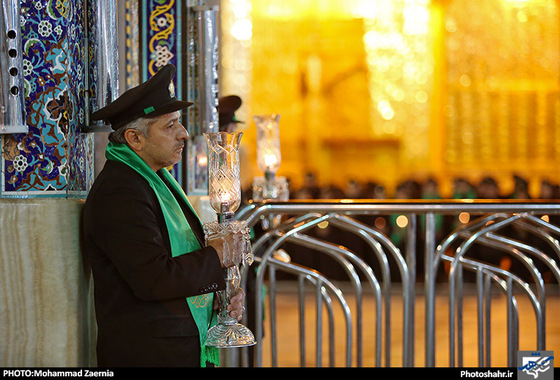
(295, 219)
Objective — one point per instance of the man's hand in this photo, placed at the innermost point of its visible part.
(235, 307)
(225, 247)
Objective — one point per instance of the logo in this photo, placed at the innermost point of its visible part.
(171, 89)
(534, 365)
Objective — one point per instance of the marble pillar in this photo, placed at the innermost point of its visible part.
(45, 288)
(46, 303)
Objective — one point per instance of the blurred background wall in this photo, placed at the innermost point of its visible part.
(387, 91)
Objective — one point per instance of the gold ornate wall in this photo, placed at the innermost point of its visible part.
(381, 90)
(502, 101)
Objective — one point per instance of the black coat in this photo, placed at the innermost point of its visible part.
(140, 289)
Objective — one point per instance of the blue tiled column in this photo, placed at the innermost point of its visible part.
(54, 159)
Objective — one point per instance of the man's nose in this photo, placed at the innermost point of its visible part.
(183, 134)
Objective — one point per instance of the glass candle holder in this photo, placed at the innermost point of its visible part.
(225, 198)
(224, 185)
(269, 188)
(268, 143)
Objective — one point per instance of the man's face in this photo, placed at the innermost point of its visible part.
(165, 142)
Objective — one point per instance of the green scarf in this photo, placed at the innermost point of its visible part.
(181, 236)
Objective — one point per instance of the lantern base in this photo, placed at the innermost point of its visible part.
(230, 336)
(270, 189)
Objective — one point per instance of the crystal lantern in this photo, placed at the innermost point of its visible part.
(225, 199)
(269, 188)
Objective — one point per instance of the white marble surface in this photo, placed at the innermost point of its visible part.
(45, 296)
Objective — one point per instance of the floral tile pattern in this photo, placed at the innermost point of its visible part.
(161, 34)
(161, 42)
(54, 158)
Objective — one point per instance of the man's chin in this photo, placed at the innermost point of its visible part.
(172, 164)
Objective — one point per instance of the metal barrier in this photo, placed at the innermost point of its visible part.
(294, 220)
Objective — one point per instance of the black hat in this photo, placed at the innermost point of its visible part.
(152, 98)
(227, 105)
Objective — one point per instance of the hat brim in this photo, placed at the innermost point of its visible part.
(229, 103)
(176, 105)
(153, 98)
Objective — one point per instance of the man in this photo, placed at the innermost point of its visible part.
(227, 105)
(153, 273)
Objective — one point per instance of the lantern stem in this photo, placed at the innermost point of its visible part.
(225, 217)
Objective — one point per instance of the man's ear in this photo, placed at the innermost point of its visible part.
(134, 139)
